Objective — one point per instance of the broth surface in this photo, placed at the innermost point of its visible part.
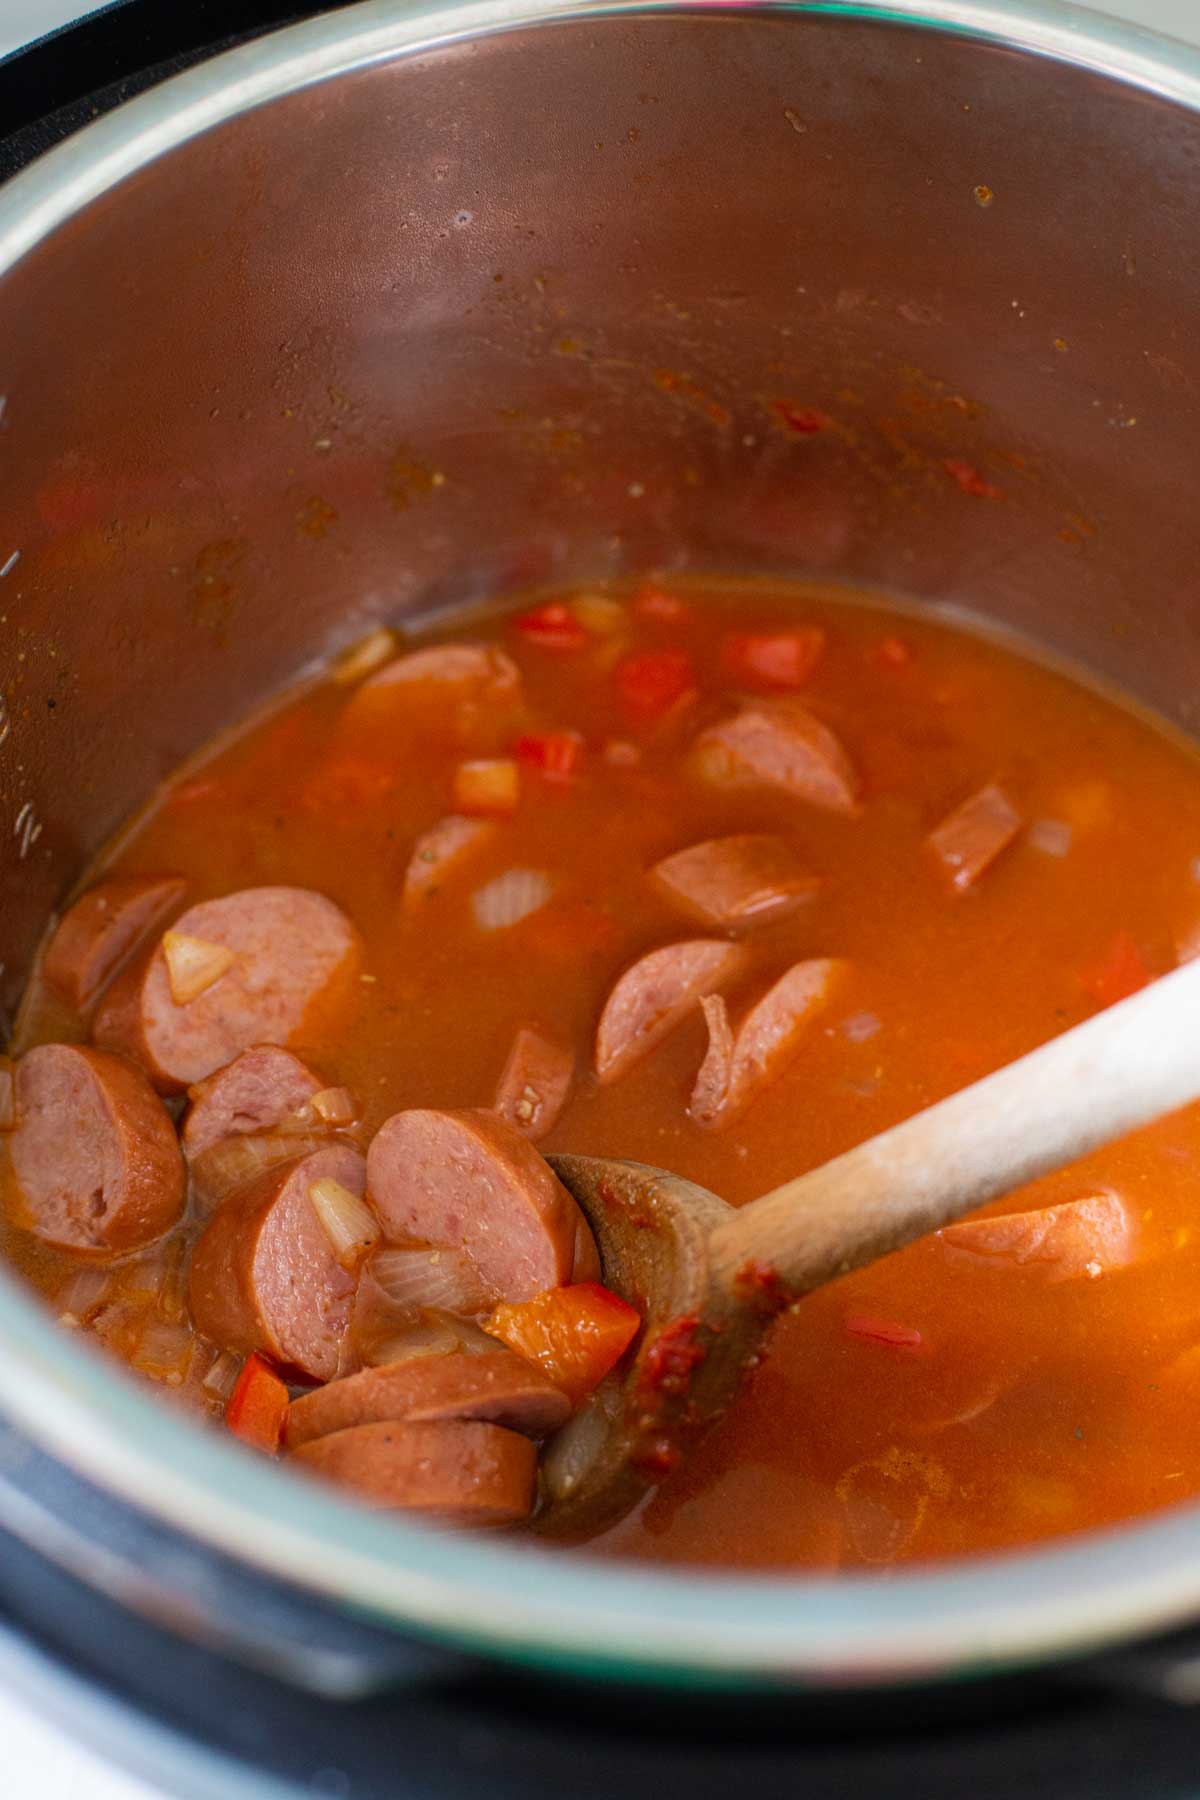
(932, 1406)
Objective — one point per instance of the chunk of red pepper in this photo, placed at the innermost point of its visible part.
(257, 1407)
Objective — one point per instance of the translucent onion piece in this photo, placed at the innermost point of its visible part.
(422, 1275)
(327, 1110)
(571, 1452)
(8, 1110)
(80, 1295)
(510, 898)
(432, 1333)
(164, 1351)
(860, 1026)
(347, 1221)
(471, 1337)
(234, 1162)
(599, 614)
(193, 965)
(428, 1337)
(334, 1106)
(221, 1379)
(1051, 836)
(370, 652)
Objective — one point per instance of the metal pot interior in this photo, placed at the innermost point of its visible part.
(397, 309)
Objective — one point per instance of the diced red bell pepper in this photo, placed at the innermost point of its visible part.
(1121, 971)
(773, 659)
(655, 603)
(884, 1331)
(574, 1334)
(553, 627)
(555, 753)
(651, 682)
(257, 1407)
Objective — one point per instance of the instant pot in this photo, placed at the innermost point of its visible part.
(514, 291)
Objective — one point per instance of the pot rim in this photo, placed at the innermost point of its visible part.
(573, 1612)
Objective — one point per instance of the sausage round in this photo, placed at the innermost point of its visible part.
(656, 993)
(289, 945)
(470, 1180)
(497, 1387)
(253, 1093)
(458, 1472)
(104, 926)
(264, 1276)
(736, 882)
(780, 744)
(535, 1083)
(93, 1156)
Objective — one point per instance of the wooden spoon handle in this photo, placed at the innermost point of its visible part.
(1121, 1069)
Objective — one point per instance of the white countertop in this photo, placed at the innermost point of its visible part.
(40, 1762)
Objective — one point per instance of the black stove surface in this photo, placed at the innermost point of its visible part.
(205, 1728)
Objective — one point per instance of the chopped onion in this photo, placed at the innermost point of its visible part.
(428, 1337)
(347, 1221)
(370, 652)
(80, 1295)
(572, 1451)
(510, 898)
(221, 1379)
(620, 754)
(489, 786)
(234, 1162)
(334, 1106)
(8, 1105)
(861, 1026)
(164, 1350)
(412, 1277)
(1051, 836)
(193, 965)
(432, 1333)
(599, 613)
(330, 1108)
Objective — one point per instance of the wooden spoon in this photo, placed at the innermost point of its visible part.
(709, 1278)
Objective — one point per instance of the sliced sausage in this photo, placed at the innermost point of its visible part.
(779, 744)
(1081, 1239)
(481, 668)
(455, 689)
(498, 1387)
(105, 925)
(460, 1472)
(736, 882)
(470, 1180)
(253, 1093)
(972, 837)
(535, 1083)
(288, 946)
(93, 1156)
(264, 1276)
(439, 851)
(737, 1068)
(656, 993)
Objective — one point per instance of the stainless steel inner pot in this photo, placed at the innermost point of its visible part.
(402, 306)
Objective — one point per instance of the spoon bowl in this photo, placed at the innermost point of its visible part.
(708, 1278)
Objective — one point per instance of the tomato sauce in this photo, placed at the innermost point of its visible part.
(942, 1402)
